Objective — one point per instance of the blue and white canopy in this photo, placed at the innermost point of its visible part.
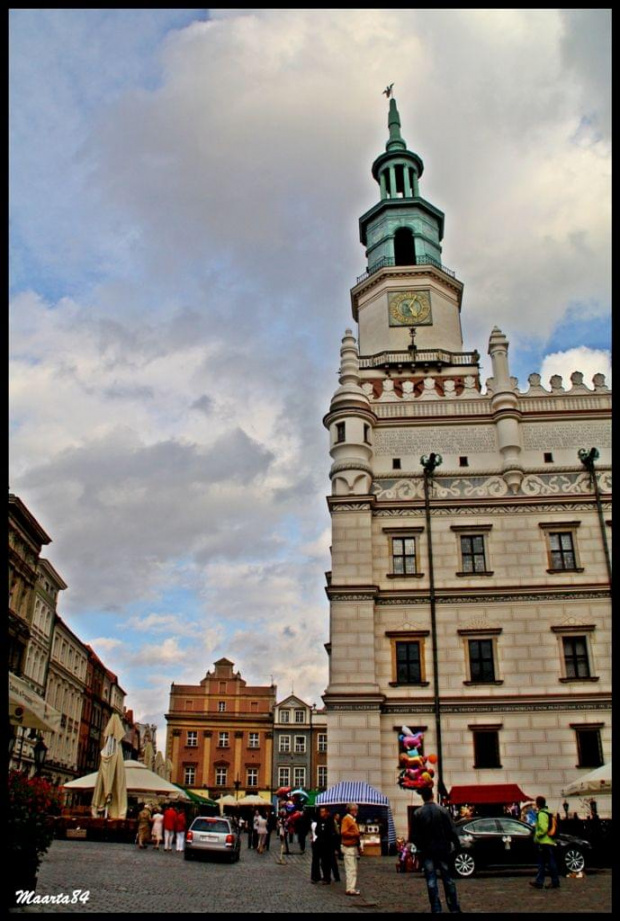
(352, 791)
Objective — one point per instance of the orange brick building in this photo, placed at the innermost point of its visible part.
(220, 734)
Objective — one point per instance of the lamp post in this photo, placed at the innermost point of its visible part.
(39, 752)
(588, 458)
(429, 464)
(311, 779)
(237, 784)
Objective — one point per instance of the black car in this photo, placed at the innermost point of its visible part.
(501, 841)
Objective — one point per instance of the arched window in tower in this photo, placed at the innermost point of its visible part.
(404, 250)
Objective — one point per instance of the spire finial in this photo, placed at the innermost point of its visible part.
(396, 141)
(388, 91)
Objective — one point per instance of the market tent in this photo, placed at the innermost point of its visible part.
(348, 791)
(226, 800)
(487, 793)
(592, 784)
(139, 780)
(110, 793)
(28, 709)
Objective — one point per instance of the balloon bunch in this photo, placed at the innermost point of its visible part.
(414, 773)
(291, 802)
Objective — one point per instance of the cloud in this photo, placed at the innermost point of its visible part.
(185, 201)
(588, 361)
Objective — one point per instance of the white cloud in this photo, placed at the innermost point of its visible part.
(588, 361)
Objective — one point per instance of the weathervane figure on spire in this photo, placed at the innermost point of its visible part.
(387, 92)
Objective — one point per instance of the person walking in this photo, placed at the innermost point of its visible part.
(302, 827)
(434, 835)
(144, 828)
(180, 824)
(351, 845)
(261, 831)
(158, 829)
(169, 823)
(545, 845)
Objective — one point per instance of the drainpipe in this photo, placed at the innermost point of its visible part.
(429, 463)
(587, 458)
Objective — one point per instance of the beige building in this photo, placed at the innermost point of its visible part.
(470, 582)
(66, 682)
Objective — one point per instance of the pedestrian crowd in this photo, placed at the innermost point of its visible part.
(155, 826)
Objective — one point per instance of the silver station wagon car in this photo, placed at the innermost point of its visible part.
(212, 835)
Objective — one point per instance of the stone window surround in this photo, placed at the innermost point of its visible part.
(561, 527)
(584, 630)
(413, 533)
(587, 727)
(486, 727)
(478, 530)
(408, 636)
(481, 633)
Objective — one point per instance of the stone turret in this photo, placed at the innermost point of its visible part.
(350, 423)
(506, 415)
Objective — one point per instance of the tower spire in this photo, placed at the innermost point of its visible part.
(395, 141)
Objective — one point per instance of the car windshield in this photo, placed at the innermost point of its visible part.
(216, 825)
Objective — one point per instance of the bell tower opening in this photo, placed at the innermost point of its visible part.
(404, 249)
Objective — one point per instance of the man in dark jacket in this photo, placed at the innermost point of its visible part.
(323, 847)
(434, 835)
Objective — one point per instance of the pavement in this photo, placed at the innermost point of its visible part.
(93, 876)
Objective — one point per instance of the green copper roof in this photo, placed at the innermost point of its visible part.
(396, 141)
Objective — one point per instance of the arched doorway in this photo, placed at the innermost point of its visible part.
(404, 250)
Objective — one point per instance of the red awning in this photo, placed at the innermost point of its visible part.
(488, 793)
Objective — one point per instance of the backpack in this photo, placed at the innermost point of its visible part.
(552, 826)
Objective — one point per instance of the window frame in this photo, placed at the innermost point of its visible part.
(592, 729)
(321, 771)
(576, 631)
(285, 715)
(321, 742)
(253, 739)
(402, 534)
(252, 775)
(187, 780)
(300, 746)
(397, 637)
(559, 528)
(470, 532)
(223, 739)
(299, 712)
(284, 775)
(490, 634)
(282, 748)
(219, 773)
(191, 740)
(299, 776)
(489, 731)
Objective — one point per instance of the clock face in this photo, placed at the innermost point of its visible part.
(409, 308)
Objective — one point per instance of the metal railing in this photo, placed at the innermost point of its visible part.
(388, 261)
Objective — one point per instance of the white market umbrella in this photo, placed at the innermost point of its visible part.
(227, 800)
(253, 800)
(592, 784)
(139, 780)
(110, 790)
(29, 709)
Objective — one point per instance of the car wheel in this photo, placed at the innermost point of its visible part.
(464, 863)
(574, 861)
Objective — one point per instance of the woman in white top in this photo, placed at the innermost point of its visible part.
(261, 828)
(158, 829)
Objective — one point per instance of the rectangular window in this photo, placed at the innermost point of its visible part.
(189, 775)
(562, 550)
(576, 657)
(284, 744)
(589, 749)
(340, 432)
(486, 749)
(481, 664)
(221, 775)
(408, 663)
(285, 716)
(253, 740)
(322, 742)
(403, 556)
(222, 740)
(221, 706)
(300, 716)
(300, 744)
(299, 776)
(321, 776)
(252, 779)
(284, 777)
(192, 738)
(472, 553)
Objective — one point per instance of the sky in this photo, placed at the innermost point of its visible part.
(185, 189)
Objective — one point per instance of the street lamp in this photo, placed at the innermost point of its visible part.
(237, 784)
(430, 463)
(588, 458)
(39, 752)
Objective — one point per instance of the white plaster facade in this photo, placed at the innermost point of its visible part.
(66, 682)
(510, 484)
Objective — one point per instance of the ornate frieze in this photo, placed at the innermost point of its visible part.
(467, 706)
(503, 597)
(494, 485)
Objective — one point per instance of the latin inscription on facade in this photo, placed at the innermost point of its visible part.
(566, 435)
(455, 439)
